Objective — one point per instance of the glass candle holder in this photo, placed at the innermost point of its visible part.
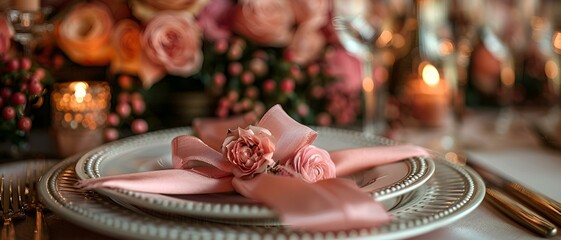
(79, 115)
(429, 97)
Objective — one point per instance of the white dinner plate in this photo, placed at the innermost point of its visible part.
(152, 151)
(451, 193)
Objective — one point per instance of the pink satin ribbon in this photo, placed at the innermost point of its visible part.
(326, 205)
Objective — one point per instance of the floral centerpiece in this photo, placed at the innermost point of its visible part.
(247, 55)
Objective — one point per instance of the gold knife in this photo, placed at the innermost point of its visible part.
(513, 208)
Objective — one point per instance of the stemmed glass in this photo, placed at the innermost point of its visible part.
(547, 34)
(448, 30)
(365, 28)
(506, 35)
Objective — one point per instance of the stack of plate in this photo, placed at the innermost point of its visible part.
(421, 194)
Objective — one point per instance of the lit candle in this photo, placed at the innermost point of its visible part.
(429, 97)
(79, 112)
(26, 5)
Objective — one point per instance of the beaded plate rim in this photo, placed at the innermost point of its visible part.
(452, 193)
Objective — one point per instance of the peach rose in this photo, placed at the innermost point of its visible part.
(85, 34)
(6, 34)
(172, 44)
(250, 149)
(146, 9)
(126, 43)
(267, 22)
(312, 164)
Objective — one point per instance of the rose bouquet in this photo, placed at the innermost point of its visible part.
(248, 55)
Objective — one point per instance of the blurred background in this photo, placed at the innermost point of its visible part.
(81, 73)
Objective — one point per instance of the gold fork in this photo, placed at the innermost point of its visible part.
(32, 203)
(11, 205)
(8, 231)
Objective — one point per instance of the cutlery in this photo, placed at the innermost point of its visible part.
(10, 198)
(508, 196)
(32, 175)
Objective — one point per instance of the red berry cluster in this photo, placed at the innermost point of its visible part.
(21, 90)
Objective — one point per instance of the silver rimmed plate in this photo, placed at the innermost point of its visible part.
(152, 152)
(451, 193)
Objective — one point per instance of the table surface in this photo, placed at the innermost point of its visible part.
(516, 154)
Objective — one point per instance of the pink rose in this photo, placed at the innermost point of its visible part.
(146, 9)
(126, 43)
(267, 22)
(306, 46)
(6, 34)
(347, 68)
(312, 164)
(85, 34)
(250, 149)
(216, 18)
(172, 44)
(312, 12)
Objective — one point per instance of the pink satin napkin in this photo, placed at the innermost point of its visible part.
(273, 162)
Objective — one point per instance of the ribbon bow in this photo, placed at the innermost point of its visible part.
(257, 168)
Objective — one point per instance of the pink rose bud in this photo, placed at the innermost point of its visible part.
(233, 96)
(269, 85)
(313, 69)
(312, 164)
(252, 92)
(123, 109)
(25, 63)
(219, 79)
(247, 78)
(138, 106)
(235, 53)
(235, 68)
(139, 126)
(303, 110)
(220, 46)
(287, 85)
(110, 134)
(123, 97)
(113, 119)
(258, 66)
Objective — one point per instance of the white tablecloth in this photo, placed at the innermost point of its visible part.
(517, 155)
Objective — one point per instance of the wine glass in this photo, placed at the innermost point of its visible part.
(365, 29)
(546, 29)
(448, 30)
(506, 35)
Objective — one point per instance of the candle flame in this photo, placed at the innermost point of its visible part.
(368, 84)
(557, 42)
(430, 75)
(79, 90)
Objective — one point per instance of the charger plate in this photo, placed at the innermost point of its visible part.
(450, 194)
(152, 151)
